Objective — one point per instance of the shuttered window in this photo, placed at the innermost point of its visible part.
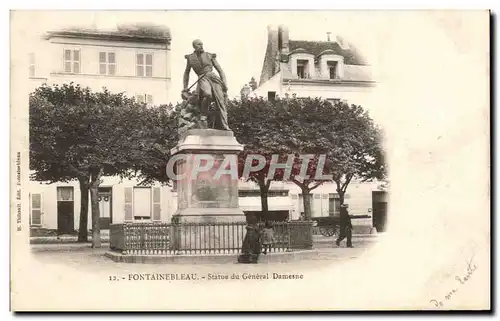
(156, 203)
(72, 61)
(144, 65)
(107, 63)
(142, 203)
(36, 209)
(129, 201)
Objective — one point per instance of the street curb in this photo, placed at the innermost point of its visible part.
(279, 257)
(40, 240)
(64, 247)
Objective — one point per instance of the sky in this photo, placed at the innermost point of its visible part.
(239, 38)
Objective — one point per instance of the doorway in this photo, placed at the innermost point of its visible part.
(379, 205)
(65, 210)
(105, 199)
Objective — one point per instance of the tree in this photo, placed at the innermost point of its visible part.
(160, 136)
(358, 150)
(77, 134)
(306, 124)
(344, 134)
(255, 124)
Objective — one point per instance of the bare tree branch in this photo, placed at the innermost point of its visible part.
(316, 185)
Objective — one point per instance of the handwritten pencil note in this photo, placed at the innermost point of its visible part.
(460, 281)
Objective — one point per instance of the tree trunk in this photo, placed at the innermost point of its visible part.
(264, 189)
(341, 196)
(84, 210)
(342, 187)
(96, 232)
(306, 195)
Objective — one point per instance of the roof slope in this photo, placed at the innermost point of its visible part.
(351, 56)
(357, 73)
(153, 33)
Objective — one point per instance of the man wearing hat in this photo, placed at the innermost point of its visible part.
(345, 226)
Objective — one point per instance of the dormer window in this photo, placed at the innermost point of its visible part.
(332, 68)
(302, 65)
(331, 65)
(302, 69)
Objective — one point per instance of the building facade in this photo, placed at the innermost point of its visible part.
(131, 61)
(332, 70)
(121, 61)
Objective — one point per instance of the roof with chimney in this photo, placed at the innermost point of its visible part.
(356, 68)
(351, 56)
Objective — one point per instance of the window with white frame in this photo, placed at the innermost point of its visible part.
(332, 66)
(32, 64)
(72, 61)
(107, 63)
(302, 69)
(142, 203)
(144, 65)
(332, 69)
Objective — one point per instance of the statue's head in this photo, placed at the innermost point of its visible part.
(198, 45)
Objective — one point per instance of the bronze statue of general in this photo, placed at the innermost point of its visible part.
(210, 86)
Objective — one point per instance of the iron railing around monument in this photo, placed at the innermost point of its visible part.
(156, 238)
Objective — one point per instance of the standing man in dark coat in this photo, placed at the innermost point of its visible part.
(345, 226)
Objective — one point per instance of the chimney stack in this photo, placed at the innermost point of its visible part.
(283, 37)
(328, 36)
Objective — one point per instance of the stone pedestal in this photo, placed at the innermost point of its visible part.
(207, 201)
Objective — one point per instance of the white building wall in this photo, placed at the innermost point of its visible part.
(273, 84)
(358, 197)
(49, 201)
(359, 95)
(49, 67)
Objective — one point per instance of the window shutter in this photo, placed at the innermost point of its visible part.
(129, 200)
(102, 63)
(76, 61)
(140, 65)
(36, 209)
(149, 100)
(111, 57)
(156, 204)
